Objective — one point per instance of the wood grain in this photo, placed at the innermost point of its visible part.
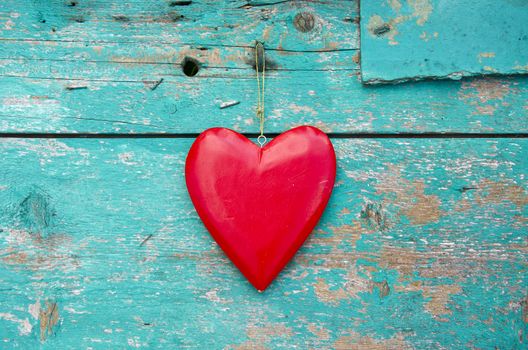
(423, 245)
(105, 74)
(424, 242)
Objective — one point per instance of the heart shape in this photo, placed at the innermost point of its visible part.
(260, 203)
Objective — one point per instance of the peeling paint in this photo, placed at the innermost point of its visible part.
(377, 26)
(48, 317)
(485, 89)
(24, 326)
(405, 261)
(497, 192)
(212, 296)
(353, 285)
(34, 309)
(438, 296)
(37, 253)
(320, 332)
(356, 341)
(260, 335)
(409, 197)
(422, 9)
(302, 109)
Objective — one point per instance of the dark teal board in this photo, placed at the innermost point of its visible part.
(416, 39)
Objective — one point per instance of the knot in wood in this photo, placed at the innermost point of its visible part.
(304, 22)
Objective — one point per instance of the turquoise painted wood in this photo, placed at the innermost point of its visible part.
(224, 22)
(58, 81)
(423, 246)
(419, 39)
(424, 243)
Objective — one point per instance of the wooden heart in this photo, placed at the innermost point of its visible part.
(260, 204)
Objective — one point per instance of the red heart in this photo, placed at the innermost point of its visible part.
(260, 204)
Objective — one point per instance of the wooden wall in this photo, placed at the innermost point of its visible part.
(423, 244)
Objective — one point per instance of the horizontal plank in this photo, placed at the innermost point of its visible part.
(100, 247)
(81, 97)
(413, 40)
(101, 77)
(135, 61)
(330, 26)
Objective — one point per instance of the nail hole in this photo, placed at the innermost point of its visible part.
(73, 3)
(382, 29)
(190, 66)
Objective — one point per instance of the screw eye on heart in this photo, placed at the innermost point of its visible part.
(260, 203)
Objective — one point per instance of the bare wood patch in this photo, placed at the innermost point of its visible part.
(410, 197)
(355, 341)
(48, 317)
(260, 335)
(352, 286)
(496, 192)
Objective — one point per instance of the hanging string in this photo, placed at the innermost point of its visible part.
(260, 90)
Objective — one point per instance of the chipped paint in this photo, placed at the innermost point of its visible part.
(302, 109)
(213, 296)
(318, 331)
(24, 326)
(355, 341)
(260, 335)
(377, 26)
(352, 285)
(422, 9)
(437, 296)
(37, 253)
(396, 266)
(485, 95)
(409, 197)
(498, 192)
(48, 318)
(405, 261)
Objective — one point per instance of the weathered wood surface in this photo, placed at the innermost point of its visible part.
(423, 245)
(115, 67)
(410, 40)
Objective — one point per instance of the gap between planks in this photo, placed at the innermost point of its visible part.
(360, 135)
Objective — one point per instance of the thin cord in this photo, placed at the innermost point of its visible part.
(260, 91)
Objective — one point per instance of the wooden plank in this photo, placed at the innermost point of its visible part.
(107, 75)
(419, 39)
(66, 87)
(327, 25)
(423, 245)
